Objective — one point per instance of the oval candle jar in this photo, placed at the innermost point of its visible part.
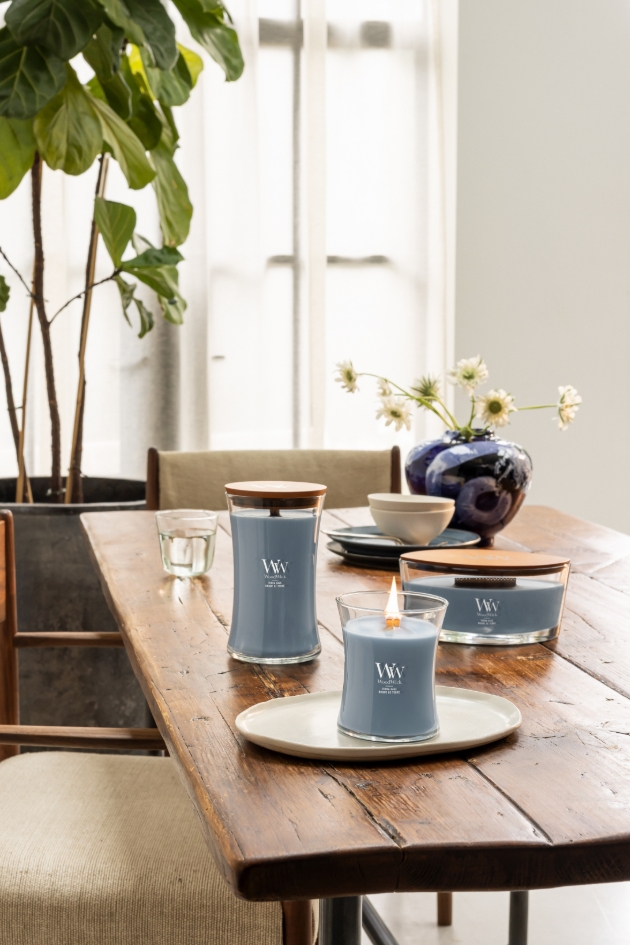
(275, 527)
(494, 596)
(389, 669)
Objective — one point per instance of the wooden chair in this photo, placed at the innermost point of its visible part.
(105, 848)
(197, 480)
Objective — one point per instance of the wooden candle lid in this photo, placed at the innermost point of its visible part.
(276, 489)
(488, 560)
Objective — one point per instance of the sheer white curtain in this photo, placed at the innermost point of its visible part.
(316, 237)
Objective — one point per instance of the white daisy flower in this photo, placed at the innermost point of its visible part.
(568, 404)
(469, 373)
(384, 388)
(395, 410)
(347, 376)
(495, 407)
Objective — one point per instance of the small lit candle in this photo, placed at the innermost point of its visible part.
(389, 672)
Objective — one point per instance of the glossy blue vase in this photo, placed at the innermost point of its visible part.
(488, 477)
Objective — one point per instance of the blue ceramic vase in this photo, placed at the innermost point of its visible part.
(488, 477)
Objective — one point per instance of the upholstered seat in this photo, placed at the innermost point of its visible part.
(197, 480)
(106, 850)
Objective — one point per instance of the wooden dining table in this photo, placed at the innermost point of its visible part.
(547, 806)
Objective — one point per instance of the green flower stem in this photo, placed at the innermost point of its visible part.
(537, 407)
(419, 400)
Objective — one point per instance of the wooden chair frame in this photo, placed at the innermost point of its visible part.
(297, 916)
(153, 476)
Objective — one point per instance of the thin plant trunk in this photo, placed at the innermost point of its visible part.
(56, 486)
(74, 484)
(11, 408)
(22, 479)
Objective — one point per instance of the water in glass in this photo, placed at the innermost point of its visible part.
(186, 552)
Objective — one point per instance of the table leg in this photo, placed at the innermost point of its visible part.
(340, 921)
(519, 902)
(375, 928)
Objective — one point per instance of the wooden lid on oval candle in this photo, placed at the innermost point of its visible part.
(486, 561)
(276, 489)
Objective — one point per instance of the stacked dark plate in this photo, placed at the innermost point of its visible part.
(365, 546)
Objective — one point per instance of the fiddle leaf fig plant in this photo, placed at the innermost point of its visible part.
(124, 112)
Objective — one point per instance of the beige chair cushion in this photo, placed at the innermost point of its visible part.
(197, 480)
(106, 850)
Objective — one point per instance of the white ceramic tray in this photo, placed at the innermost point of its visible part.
(306, 726)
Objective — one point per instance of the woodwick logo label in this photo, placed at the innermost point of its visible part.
(275, 571)
(488, 610)
(487, 606)
(390, 678)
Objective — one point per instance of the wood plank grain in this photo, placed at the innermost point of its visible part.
(596, 622)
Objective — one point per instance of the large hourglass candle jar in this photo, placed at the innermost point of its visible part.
(390, 645)
(275, 527)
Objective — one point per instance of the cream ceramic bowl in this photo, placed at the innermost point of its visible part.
(416, 528)
(393, 502)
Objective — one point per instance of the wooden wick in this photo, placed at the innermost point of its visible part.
(391, 622)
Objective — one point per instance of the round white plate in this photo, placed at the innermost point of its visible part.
(306, 726)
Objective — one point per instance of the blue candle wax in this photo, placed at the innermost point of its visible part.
(527, 606)
(274, 585)
(389, 679)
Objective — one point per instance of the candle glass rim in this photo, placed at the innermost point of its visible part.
(440, 603)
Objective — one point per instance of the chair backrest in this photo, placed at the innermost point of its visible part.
(197, 480)
(12, 734)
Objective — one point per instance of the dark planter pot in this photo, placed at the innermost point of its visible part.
(58, 589)
(488, 477)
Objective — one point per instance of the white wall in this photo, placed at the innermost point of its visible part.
(543, 232)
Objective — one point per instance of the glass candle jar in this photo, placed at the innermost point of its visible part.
(275, 527)
(389, 669)
(494, 596)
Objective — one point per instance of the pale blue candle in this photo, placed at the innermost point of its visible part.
(274, 584)
(525, 605)
(389, 679)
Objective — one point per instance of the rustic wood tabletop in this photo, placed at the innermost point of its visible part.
(547, 806)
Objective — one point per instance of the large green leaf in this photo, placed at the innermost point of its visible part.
(125, 145)
(173, 307)
(172, 197)
(193, 61)
(119, 14)
(102, 53)
(146, 318)
(170, 134)
(104, 50)
(127, 297)
(67, 130)
(61, 26)
(207, 25)
(144, 120)
(126, 294)
(17, 150)
(29, 77)
(158, 29)
(5, 292)
(171, 87)
(153, 257)
(116, 222)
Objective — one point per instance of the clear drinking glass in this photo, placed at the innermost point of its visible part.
(187, 540)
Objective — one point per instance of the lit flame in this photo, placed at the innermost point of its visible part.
(392, 614)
